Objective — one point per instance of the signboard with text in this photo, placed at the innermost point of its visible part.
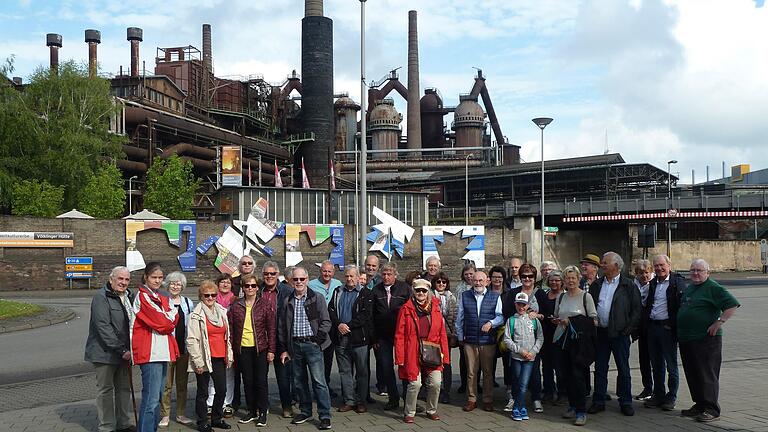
(78, 267)
(37, 239)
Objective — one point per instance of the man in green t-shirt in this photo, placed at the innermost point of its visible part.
(705, 307)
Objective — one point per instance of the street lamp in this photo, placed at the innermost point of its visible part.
(130, 194)
(363, 213)
(542, 122)
(669, 195)
(466, 189)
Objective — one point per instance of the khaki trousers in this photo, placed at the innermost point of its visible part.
(179, 370)
(432, 381)
(480, 357)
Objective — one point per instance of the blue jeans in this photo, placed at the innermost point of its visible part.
(522, 372)
(152, 384)
(619, 346)
(662, 349)
(284, 378)
(308, 355)
(354, 385)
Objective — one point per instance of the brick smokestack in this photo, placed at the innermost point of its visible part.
(207, 52)
(54, 41)
(135, 36)
(93, 39)
(414, 107)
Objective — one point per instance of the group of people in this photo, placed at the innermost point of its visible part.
(548, 329)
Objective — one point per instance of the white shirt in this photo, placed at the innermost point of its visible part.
(659, 310)
(606, 299)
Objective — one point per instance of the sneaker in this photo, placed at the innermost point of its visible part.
(706, 417)
(538, 407)
(653, 402)
(644, 395)
(668, 405)
(164, 421)
(248, 418)
(262, 420)
(184, 420)
(570, 413)
(581, 420)
(383, 394)
(228, 411)
(516, 415)
(524, 413)
(325, 424)
(509, 406)
(300, 418)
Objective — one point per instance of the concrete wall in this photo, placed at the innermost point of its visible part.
(104, 240)
(722, 255)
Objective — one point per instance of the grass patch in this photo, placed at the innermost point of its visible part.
(9, 309)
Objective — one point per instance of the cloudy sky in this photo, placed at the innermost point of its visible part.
(654, 80)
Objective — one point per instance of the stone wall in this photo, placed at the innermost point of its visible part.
(104, 240)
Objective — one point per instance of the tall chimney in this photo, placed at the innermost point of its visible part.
(414, 107)
(93, 39)
(313, 8)
(207, 55)
(135, 35)
(54, 42)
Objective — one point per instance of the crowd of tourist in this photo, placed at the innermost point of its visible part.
(553, 329)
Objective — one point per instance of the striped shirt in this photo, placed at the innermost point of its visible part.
(301, 327)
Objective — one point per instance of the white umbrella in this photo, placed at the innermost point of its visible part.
(146, 215)
(74, 214)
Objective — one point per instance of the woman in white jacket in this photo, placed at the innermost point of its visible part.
(210, 354)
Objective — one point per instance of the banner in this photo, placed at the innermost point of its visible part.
(231, 166)
(37, 239)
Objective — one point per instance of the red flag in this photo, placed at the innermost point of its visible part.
(304, 178)
(278, 180)
(333, 175)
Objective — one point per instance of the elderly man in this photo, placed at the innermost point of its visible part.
(372, 271)
(513, 273)
(351, 327)
(546, 268)
(302, 336)
(705, 307)
(643, 271)
(325, 285)
(388, 297)
(589, 265)
(275, 292)
(618, 313)
(479, 313)
(109, 349)
(433, 266)
(660, 313)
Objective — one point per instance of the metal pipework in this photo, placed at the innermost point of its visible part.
(426, 164)
(414, 102)
(54, 42)
(135, 36)
(93, 39)
(313, 8)
(207, 52)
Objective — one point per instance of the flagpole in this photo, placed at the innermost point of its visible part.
(363, 213)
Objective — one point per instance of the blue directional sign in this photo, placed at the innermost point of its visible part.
(79, 260)
(78, 275)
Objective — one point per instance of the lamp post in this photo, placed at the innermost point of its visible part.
(130, 194)
(466, 189)
(542, 122)
(363, 213)
(669, 195)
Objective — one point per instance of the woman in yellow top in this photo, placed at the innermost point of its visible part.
(252, 320)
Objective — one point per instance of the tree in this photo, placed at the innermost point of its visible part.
(171, 187)
(56, 129)
(37, 198)
(103, 196)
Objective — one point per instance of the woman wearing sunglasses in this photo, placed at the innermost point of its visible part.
(419, 322)
(210, 355)
(441, 286)
(252, 322)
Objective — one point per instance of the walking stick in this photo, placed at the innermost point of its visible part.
(133, 394)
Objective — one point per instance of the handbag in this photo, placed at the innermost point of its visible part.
(430, 354)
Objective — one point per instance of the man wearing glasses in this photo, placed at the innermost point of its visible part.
(705, 307)
(325, 286)
(302, 336)
(275, 292)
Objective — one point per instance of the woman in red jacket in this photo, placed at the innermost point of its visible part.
(252, 324)
(420, 320)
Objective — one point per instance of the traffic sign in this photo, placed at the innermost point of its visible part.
(78, 267)
(79, 260)
(78, 275)
(551, 229)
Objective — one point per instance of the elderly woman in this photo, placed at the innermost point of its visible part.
(441, 287)
(576, 318)
(225, 297)
(176, 282)
(210, 354)
(152, 343)
(419, 322)
(433, 266)
(498, 279)
(252, 325)
(548, 351)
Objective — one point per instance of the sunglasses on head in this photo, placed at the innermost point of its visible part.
(250, 285)
(527, 276)
(299, 279)
(269, 273)
(209, 295)
(420, 290)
